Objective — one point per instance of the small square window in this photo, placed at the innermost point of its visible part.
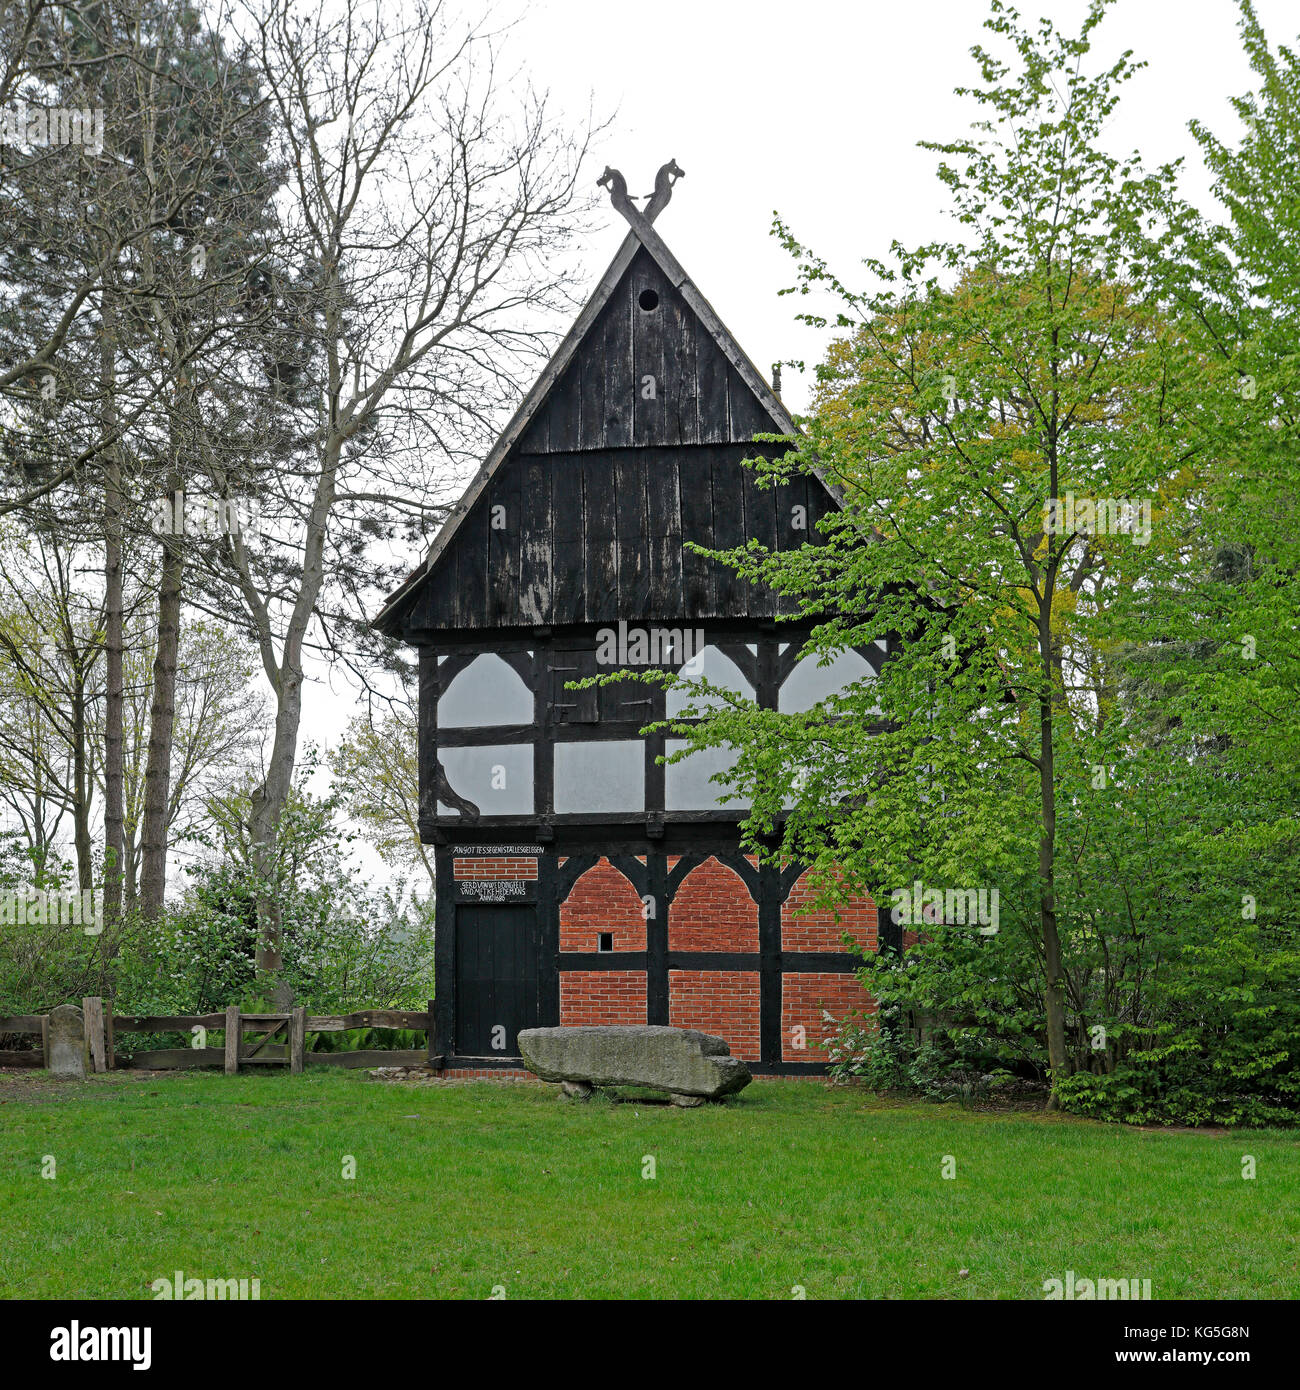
(606, 941)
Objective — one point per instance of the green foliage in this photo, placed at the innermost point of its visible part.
(369, 1039)
(45, 963)
(1226, 1047)
(1098, 721)
(375, 767)
(347, 947)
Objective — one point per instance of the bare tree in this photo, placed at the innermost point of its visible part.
(217, 734)
(53, 707)
(50, 638)
(420, 271)
(127, 264)
(376, 768)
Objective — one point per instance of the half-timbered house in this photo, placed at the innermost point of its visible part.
(579, 879)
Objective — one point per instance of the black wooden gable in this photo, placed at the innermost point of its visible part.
(646, 331)
(630, 445)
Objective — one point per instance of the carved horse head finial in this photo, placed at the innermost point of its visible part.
(617, 186)
(618, 194)
(664, 180)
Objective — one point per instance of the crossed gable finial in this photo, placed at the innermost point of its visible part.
(618, 195)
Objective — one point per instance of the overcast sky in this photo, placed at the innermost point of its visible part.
(814, 108)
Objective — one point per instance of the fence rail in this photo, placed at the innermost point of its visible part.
(283, 1041)
(26, 1023)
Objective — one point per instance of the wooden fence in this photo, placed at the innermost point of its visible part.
(283, 1040)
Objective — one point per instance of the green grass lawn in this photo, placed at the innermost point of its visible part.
(460, 1189)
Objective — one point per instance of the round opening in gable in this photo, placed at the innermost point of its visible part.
(648, 299)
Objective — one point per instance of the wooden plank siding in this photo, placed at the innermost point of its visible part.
(568, 549)
(536, 541)
(601, 402)
(664, 523)
(600, 553)
(695, 482)
(632, 530)
(601, 535)
(586, 518)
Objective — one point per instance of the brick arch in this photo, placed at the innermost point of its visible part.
(712, 911)
(805, 927)
(602, 900)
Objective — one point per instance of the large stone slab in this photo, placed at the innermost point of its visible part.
(67, 1034)
(680, 1061)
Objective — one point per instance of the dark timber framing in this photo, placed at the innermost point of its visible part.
(768, 887)
(619, 711)
(628, 450)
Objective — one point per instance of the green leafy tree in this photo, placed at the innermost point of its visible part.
(1208, 643)
(346, 946)
(1011, 418)
(376, 772)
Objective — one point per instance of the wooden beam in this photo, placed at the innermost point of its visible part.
(110, 1036)
(22, 1023)
(92, 1011)
(372, 1057)
(168, 1023)
(176, 1059)
(232, 1040)
(252, 1052)
(368, 1018)
(297, 1040)
(45, 1040)
(31, 1059)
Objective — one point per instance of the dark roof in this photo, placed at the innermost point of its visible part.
(599, 483)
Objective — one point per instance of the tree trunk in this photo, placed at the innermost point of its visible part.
(82, 784)
(162, 718)
(131, 874)
(1053, 988)
(1053, 984)
(114, 698)
(270, 798)
(40, 848)
(268, 805)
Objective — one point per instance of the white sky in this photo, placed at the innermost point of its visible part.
(815, 109)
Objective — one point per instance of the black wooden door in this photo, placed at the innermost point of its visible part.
(496, 978)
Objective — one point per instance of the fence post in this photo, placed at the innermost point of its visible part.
(92, 1010)
(45, 1041)
(110, 1036)
(297, 1039)
(233, 1026)
(431, 1035)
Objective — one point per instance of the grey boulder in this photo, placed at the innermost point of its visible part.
(681, 1061)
